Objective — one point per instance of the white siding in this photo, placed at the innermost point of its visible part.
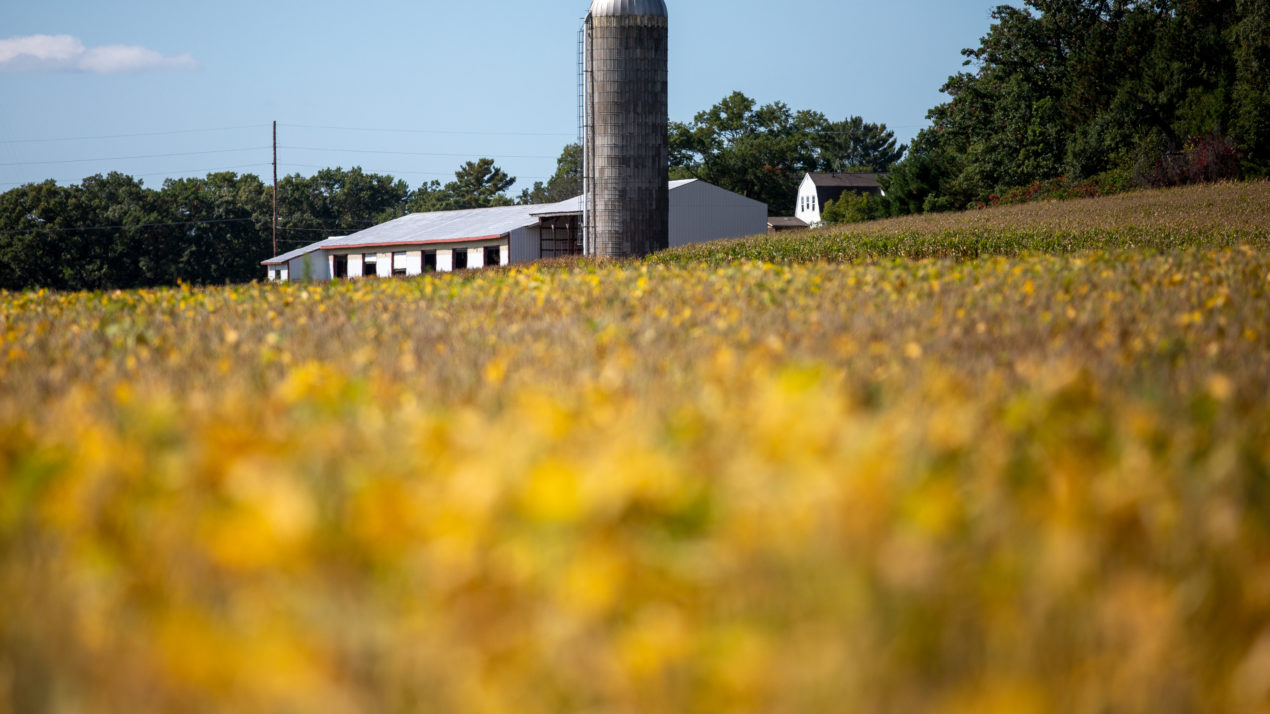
(355, 265)
(504, 253)
(383, 265)
(476, 257)
(807, 208)
(414, 262)
(445, 260)
(701, 212)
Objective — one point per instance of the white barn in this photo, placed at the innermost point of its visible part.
(453, 240)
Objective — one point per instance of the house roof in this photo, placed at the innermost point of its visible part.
(845, 180)
(448, 226)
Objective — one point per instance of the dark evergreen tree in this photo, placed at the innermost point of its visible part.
(565, 183)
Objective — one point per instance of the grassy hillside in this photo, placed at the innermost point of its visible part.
(1212, 215)
(1027, 481)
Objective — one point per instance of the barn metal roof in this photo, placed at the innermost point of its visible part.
(611, 8)
(467, 224)
(447, 226)
(280, 259)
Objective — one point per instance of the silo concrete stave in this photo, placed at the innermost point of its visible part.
(626, 151)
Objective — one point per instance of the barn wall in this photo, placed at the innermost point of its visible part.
(702, 212)
(524, 245)
(310, 266)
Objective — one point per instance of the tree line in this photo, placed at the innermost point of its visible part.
(1121, 92)
(763, 152)
(112, 232)
(1060, 98)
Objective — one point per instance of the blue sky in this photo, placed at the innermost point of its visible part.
(167, 88)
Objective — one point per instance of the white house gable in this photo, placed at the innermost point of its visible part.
(808, 207)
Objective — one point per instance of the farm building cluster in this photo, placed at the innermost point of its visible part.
(626, 208)
(442, 241)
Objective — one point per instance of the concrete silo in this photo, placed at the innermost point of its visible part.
(625, 145)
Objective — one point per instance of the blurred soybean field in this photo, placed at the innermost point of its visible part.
(1016, 460)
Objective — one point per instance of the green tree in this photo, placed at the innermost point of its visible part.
(335, 201)
(1083, 87)
(477, 184)
(428, 197)
(855, 207)
(762, 152)
(32, 218)
(564, 184)
(855, 145)
(1250, 38)
(223, 231)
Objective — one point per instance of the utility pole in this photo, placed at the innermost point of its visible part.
(275, 188)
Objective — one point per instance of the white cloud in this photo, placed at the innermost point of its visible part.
(63, 53)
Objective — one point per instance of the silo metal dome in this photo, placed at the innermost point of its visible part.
(613, 8)
(625, 150)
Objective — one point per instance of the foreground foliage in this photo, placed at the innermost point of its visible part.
(1035, 483)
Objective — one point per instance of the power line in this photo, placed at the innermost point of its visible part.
(137, 225)
(410, 153)
(140, 156)
(238, 167)
(197, 171)
(176, 224)
(391, 172)
(129, 136)
(427, 131)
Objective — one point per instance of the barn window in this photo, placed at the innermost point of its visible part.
(429, 261)
(339, 266)
(460, 259)
(370, 266)
(491, 255)
(398, 264)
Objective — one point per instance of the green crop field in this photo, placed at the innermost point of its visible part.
(1012, 461)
